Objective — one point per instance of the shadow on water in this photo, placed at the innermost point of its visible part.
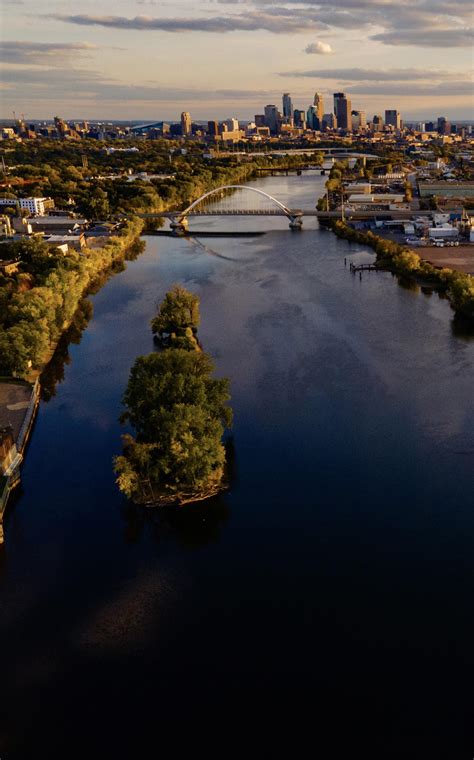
(53, 374)
(461, 327)
(191, 526)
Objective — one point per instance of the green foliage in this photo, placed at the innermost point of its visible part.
(459, 286)
(178, 314)
(179, 412)
(460, 292)
(39, 302)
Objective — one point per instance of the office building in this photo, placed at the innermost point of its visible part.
(312, 120)
(318, 103)
(232, 125)
(377, 123)
(358, 120)
(260, 120)
(212, 128)
(186, 123)
(272, 118)
(329, 121)
(444, 126)
(287, 107)
(299, 119)
(342, 110)
(33, 205)
(392, 119)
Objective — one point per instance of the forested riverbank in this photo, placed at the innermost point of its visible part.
(401, 260)
(38, 301)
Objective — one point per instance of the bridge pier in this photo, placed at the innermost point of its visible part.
(296, 222)
(179, 226)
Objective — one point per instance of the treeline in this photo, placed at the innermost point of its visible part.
(179, 413)
(459, 287)
(38, 302)
(77, 172)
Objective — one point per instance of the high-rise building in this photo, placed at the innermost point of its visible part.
(392, 119)
(378, 122)
(312, 119)
(185, 123)
(299, 119)
(444, 127)
(287, 107)
(342, 110)
(260, 120)
(318, 103)
(212, 128)
(329, 121)
(61, 126)
(232, 124)
(358, 119)
(272, 117)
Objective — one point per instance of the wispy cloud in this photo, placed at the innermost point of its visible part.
(377, 75)
(277, 23)
(49, 53)
(419, 23)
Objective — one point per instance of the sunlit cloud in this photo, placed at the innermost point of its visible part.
(319, 48)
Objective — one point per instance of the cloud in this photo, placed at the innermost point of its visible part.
(57, 83)
(50, 53)
(319, 48)
(376, 75)
(276, 22)
(428, 38)
(405, 89)
(419, 23)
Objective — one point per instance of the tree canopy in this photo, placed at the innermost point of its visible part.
(178, 312)
(179, 412)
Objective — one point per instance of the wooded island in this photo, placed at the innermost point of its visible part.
(179, 412)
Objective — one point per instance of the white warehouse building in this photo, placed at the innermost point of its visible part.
(34, 205)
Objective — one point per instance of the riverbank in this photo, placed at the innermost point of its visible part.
(401, 260)
(19, 396)
(18, 404)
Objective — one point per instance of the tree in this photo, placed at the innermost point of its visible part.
(97, 205)
(178, 313)
(179, 412)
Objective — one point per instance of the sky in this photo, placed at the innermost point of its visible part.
(150, 60)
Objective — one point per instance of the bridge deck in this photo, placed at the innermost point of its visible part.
(354, 214)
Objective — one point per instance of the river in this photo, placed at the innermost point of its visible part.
(329, 591)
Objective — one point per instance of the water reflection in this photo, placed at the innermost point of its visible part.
(462, 327)
(192, 526)
(53, 374)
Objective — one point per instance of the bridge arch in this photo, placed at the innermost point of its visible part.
(284, 210)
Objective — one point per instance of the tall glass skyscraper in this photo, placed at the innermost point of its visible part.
(342, 110)
(287, 106)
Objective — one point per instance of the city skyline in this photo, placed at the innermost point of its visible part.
(231, 58)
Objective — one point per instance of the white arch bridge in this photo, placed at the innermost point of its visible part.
(232, 204)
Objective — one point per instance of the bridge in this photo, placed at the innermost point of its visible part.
(230, 204)
(224, 201)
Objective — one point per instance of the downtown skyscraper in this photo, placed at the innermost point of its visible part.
(342, 110)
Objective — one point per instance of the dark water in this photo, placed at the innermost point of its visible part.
(328, 595)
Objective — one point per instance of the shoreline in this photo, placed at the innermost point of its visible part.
(404, 261)
(11, 472)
